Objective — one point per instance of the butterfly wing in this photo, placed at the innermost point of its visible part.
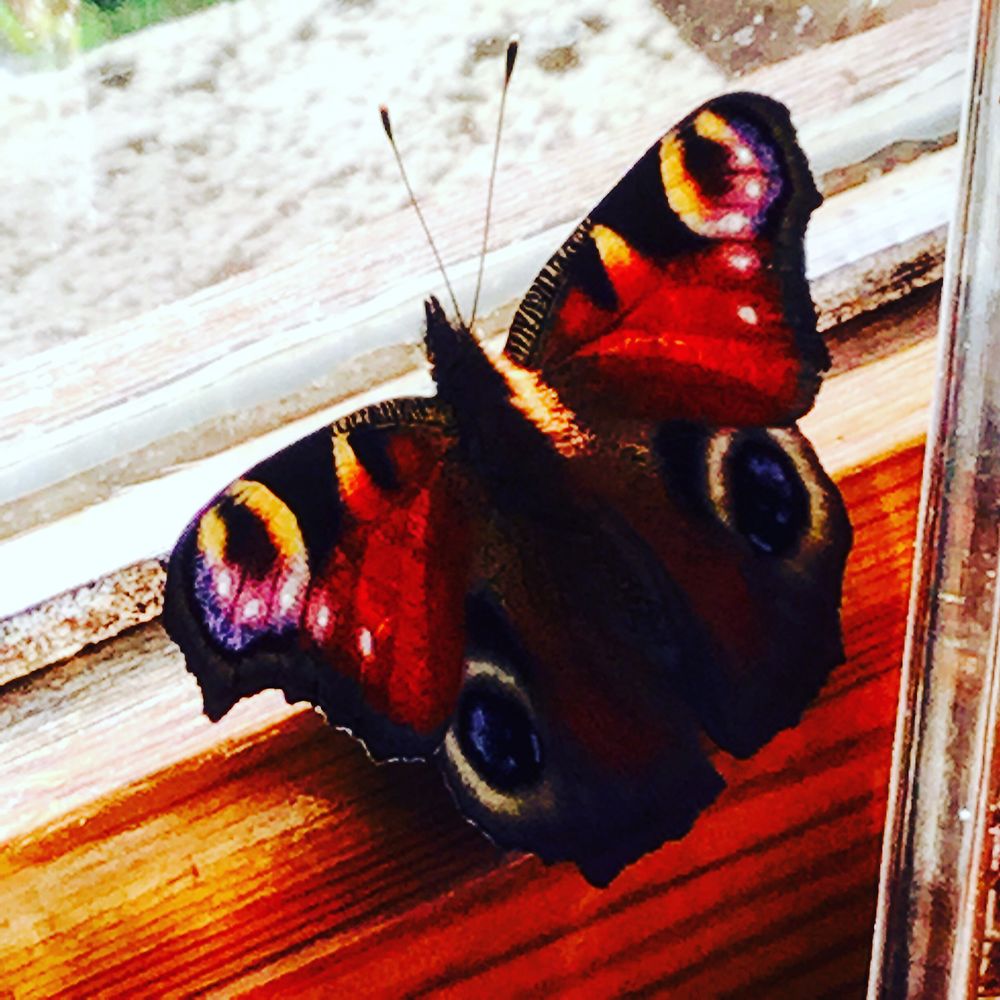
(336, 572)
(755, 536)
(683, 294)
(567, 741)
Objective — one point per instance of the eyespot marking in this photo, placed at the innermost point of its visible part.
(769, 502)
(720, 176)
(498, 739)
(251, 568)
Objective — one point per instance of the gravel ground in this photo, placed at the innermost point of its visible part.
(173, 158)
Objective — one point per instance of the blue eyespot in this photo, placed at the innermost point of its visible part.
(498, 739)
(769, 503)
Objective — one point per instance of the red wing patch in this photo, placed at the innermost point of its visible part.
(702, 337)
(337, 572)
(387, 608)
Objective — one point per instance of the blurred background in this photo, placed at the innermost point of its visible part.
(152, 148)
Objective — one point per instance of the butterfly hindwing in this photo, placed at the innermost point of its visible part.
(335, 571)
(683, 294)
(567, 741)
(754, 535)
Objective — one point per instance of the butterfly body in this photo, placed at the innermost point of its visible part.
(501, 424)
(584, 557)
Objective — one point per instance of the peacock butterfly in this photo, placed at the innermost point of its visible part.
(583, 558)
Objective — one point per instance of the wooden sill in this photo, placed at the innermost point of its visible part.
(143, 849)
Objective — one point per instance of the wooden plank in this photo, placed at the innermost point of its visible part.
(866, 246)
(870, 245)
(120, 599)
(63, 625)
(283, 861)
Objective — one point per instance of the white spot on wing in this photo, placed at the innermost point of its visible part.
(252, 609)
(743, 261)
(366, 644)
(224, 584)
(734, 223)
(748, 314)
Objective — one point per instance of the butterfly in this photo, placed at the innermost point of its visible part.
(583, 560)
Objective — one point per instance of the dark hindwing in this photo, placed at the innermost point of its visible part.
(336, 571)
(567, 741)
(756, 536)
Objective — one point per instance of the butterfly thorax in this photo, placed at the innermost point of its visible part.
(512, 428)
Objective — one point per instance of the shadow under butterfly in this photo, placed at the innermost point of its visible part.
(582, 559)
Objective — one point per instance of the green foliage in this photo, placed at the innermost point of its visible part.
(97, 21)
(102, 20)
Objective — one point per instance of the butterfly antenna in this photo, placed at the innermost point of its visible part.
(387, 125)
(512, 45)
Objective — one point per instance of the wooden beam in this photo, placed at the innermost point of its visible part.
(282, 859)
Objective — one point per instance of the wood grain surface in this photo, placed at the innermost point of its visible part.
(281, 860)
(109, 576)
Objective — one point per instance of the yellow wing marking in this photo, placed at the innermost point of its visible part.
(274, 513)
(615, 251)
(212, 534)
(279, 521)
(682, 193)
(350, 473)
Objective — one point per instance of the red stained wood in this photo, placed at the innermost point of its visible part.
(286, 863)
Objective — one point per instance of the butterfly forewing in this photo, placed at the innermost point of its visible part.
(336, 571)
(683, 294)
